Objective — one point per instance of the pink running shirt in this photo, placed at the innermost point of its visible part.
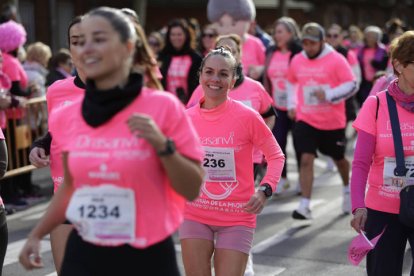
(251, 93)
(178, 73)
(369, 71)
(326, 72)
(253, 53)
(277, 73)
(61, 93)
(228, 134)
(111, 154)
(384, 196)
(14, 70)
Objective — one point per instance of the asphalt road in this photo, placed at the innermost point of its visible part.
(282, 246)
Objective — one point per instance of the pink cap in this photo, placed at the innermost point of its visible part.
(13, 35)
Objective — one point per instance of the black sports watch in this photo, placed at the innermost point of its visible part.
(169, 148)
(266, 189)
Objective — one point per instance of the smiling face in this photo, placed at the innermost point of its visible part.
(217, 77)
(102, 54)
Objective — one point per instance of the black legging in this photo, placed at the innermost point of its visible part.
(85, 259)
(386, 259)
(4, 237)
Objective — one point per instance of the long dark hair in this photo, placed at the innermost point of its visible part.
(189, 44)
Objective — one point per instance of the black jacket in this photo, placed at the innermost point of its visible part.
(192, 79)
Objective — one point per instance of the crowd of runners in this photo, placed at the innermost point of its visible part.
(157, 133)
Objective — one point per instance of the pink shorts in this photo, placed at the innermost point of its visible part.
(239, 238)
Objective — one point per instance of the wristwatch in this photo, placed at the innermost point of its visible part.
(169, 148)
(266, 189)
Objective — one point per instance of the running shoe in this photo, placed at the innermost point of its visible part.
(282, 186)
(302, 214)
(346, 202)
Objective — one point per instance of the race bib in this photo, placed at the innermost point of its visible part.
(279, 94)
(219, 164)
(392, 181)
(103, 214)
(309, 94)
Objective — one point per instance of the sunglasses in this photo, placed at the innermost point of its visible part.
(154, 43)
(332, 35)
(209, 35)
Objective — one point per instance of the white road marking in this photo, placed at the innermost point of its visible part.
(297, 225)
(13, 250)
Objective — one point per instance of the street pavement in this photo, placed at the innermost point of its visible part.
(282, 246)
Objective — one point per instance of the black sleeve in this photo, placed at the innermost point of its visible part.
(43, 142)
(192, 80)
(380, 64)
(3, 158)
(17, 90)
(269, 113)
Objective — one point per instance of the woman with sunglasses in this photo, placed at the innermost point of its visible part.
(207, 39)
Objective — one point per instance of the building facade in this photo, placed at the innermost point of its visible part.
(47, 20)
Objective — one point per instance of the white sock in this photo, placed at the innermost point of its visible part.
(345, 189)
(304, 203)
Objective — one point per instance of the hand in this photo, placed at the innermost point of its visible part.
(35, 89)
(38, 157)
(5, 101)
(143, 126)
(30, 255)
(292, 114)
(22, 101)
(320, 94)
(256, 203)
(255, 72)
(360, 217)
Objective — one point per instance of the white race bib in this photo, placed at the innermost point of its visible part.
(219, 164)
(309, 94)
(279, 95)
(103, 214)
(392, 181)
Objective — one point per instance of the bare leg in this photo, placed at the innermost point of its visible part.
(229, 262)
(343, 168)
(306, 174)
(197, 255)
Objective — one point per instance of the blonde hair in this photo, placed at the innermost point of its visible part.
(39, 52)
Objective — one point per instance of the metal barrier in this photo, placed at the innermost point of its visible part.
(24, 126)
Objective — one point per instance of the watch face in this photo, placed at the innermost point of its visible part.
(267, 190)
(169, 148)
